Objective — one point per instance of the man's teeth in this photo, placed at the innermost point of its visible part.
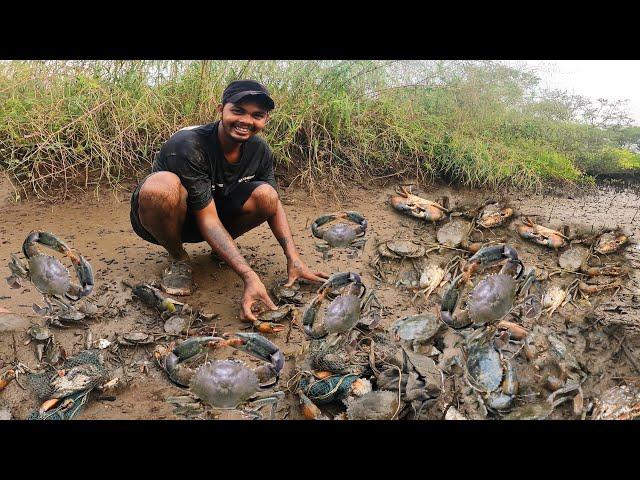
(242, 129)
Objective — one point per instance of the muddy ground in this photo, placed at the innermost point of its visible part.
(99, 228)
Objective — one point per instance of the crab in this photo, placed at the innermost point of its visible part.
(573, 259)
(343, 313)
(129, 339)
(230, 383)
(541, 235)
(285, 295)
(489, 372)
(416, 206)
(494, 296)
(618, 403)
(73, 385)
(340, 234)
(416, 330)
(399, 250)
(51, 277)
(494, 215)
(267, 320)
(554, 363)
(431, 278)
(171, 357)
(553, 298)
(460, 234)
(610, 242)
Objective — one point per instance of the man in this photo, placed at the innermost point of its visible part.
(213, 183)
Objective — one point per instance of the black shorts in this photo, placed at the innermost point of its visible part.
(228, 207)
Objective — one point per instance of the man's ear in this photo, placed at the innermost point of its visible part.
(219, 108)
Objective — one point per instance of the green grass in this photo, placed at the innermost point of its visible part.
(67, 127)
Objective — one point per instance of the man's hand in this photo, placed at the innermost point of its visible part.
(254, 291)
(297, 269)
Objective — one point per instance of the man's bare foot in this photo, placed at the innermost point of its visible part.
(177, 278)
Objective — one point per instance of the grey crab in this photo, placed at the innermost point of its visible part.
(494, 296)
(230, 383)
(340, 234)
(343, 313)
(51, 278)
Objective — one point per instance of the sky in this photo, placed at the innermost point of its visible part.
(610, 79)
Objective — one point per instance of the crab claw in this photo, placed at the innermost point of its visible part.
(268, 327)
(541, 235)
(258, 346)
(194, 345)
(6, 378)
(493, 254)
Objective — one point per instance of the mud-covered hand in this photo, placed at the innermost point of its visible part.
(254, 291)
(297, 269)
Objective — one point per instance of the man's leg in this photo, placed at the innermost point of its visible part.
(162, 209)
(259, 207)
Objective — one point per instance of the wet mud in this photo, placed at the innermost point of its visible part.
(99, 229)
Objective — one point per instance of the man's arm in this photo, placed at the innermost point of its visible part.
(222, 243)
(295, 266)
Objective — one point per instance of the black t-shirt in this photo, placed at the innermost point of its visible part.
(194, 155)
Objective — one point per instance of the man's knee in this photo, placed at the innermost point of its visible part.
(162, 191)
(264, 199)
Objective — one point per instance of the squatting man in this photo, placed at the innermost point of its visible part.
(214, 183)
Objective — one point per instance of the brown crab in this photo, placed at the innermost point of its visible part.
(416, 206)
(541, 235)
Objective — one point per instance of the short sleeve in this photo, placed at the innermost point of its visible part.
(182, 156)
(265, 171)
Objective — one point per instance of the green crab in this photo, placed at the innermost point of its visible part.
(51, 278)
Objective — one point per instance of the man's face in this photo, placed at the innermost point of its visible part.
(241, 121)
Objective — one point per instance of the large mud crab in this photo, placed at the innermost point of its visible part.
(340, 234)
(51, 277)
(416, 206)
(343, 313)
(229, 383)
(541, 235)
(494, 296)
(224, 383)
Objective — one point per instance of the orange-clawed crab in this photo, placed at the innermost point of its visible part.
(541, 235)
(416, 206)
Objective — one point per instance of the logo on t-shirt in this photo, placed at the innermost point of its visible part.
(246, 179)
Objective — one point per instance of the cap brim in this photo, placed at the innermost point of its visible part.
(259, 96)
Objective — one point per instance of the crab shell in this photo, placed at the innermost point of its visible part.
(400, 249)
(342, 314)
(494, 216)
(378, 405)
(573, 258)
(453, 233)
(49, 275)
(491, 299)
(224, 383)
(341, 235)
(418, 328)
(610, 243)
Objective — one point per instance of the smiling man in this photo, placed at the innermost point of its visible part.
(213, 183)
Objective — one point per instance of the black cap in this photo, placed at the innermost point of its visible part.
(240, 89)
